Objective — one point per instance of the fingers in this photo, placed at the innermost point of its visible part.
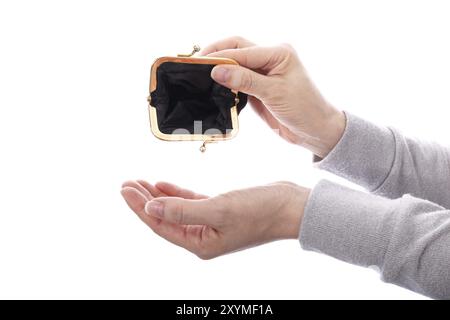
(242, 79)
(263, 58)
(228, 43)
(173, 190)
(184, 211)
(169, 204)
(152, 189)
(135, 200)
(136, 185)
(177, 234)
(162, 189)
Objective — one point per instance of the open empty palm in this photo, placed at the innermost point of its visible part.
(138, 193)
(213, 226)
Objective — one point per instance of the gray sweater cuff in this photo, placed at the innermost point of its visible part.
(364, 155)
(347, 224)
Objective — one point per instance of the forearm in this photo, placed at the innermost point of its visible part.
(388, 164)
(408, 239)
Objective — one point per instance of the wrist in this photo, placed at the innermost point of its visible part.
(335, 125)
(326, 133)
(291, 212)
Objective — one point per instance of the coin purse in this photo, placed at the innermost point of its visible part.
(186, 104)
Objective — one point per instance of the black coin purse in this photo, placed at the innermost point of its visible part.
(186, 104)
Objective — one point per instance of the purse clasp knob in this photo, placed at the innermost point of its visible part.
(196, 48)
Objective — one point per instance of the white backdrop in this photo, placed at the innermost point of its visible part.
(74, 126)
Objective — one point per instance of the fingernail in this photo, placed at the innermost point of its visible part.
(220, 74)
(154, 208)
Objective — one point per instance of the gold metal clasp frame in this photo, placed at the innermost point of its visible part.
(188, 58)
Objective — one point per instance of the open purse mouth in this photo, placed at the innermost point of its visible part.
(185, 103)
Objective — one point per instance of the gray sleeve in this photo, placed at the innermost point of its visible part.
(389, 164)
(407, 239)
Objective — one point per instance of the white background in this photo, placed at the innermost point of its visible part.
(74, 126)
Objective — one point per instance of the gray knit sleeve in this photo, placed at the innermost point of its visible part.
(389, 164)
(408, 239)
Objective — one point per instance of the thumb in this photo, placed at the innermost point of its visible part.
(241, 79)
(183, 211)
